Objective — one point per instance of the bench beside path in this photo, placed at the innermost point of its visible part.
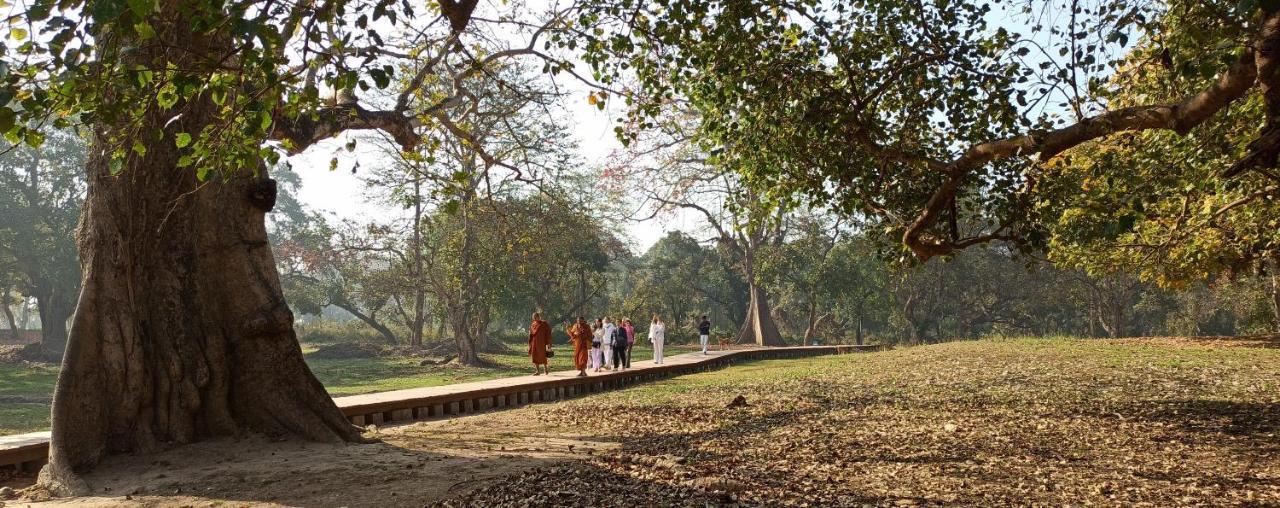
(28, 451)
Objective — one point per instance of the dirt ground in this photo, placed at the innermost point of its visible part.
(415, 465)
(991, 423)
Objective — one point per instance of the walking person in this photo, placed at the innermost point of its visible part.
(606, 344)
(580, 337)
(631, 341)
(539, 343)
(657, 335)
(704, 333)
(597, 341)
(619, 348)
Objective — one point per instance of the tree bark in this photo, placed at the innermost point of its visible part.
(858, 335)
(419, 292)
(1275, 300)
(812, 329)
(759, 326)
(371, 320)
(54, 310)
(8, 315)
(467, 353)
(181, 331)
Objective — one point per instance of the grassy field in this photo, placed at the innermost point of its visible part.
(1025, 422)
(25, 389)
(985, 423)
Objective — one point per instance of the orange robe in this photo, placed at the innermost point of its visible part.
(539, 341)
(580, 337)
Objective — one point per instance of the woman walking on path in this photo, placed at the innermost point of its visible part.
(657, 334)
(606, 346)
(539, 343)
(620, 347)
(580, 337)
(631, 341)
(597, 341)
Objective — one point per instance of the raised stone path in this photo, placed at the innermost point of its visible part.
(28, 451)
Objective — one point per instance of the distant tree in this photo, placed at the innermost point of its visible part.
(41, 193)
(349, 267)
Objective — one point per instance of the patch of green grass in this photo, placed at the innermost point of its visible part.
(20, 418)
(25, 389)
(27, 380)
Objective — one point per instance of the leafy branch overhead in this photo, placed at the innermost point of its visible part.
(118, 63)
(949, 124)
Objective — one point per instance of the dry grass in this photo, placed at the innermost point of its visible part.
(1022, 422)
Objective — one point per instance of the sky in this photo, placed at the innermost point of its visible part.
(344, 194)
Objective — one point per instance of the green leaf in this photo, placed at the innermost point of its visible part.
(139, 148)
(168, 96)
(144, 30)
(18, 34)
(145, 76)
(142, 8)
(182, 139)
(7, 119)
(34, 138)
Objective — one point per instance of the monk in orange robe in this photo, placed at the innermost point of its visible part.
(580, 337)
(539, 341)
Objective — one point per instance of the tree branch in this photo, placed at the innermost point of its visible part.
(1180, 117)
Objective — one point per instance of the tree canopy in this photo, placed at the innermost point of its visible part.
(951, 124)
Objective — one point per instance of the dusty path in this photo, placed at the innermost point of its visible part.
(415, 465)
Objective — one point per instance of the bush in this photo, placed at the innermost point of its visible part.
(348, 350)
(334, 332)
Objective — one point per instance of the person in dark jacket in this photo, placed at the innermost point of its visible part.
(704, 333)
(619, 344)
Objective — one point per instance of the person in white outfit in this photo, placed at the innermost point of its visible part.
(606, 349)
(597, 339)
(657, 335)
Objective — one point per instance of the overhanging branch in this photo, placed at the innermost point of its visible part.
(1179, 117)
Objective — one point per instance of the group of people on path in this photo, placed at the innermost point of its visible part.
(604, 344)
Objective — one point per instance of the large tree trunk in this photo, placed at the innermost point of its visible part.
(181, 332)
(811, 328)
(467, 353)
(759, 326)
(54, 311)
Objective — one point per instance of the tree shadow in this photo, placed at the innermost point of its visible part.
(1213, 416)
(292, 473)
